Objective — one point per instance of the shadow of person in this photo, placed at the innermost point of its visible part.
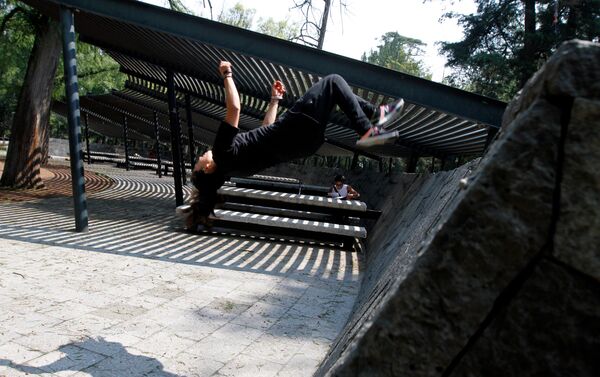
(86, 355)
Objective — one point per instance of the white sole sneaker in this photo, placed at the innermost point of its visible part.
(183, 210)
(393, 114)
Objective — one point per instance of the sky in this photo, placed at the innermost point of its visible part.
(364, 21)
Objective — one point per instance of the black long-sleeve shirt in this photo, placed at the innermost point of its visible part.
(246, 153)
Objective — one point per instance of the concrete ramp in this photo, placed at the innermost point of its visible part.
(493, 269)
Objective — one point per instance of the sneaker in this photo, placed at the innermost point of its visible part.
(390, 112)
(378, 136)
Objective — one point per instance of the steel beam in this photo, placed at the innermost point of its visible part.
(87, 137)
(181, 155)
(126, 142)
(190, 124)
(73, 118)
(175, 138)
(492, 132)
(354, 161)
(157, 145)
(411, 166)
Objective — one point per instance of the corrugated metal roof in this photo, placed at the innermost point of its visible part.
(146, 41)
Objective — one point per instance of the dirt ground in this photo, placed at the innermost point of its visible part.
(57, 182)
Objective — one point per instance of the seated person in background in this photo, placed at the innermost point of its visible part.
(340, 190)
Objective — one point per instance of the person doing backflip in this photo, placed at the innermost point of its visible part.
(299, 132)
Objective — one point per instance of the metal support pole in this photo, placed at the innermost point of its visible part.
(157, 145)
(391, 161)
(188, 115)
(125, 136)
(492, 131)
(87, 137)
(181, 154)
(354, 161)
(73, 118)
(412, 163)
(431, 170)
(175, 138)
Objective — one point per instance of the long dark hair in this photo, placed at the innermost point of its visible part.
(204, 197)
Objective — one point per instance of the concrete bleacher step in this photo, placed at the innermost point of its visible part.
(272, 178)
(290, 223)
(310, 201)
(298, 214)
(261, 225)
(107, 159)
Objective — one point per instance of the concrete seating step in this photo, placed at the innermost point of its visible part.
(272, 178)
(297, 214)
(283, 197)
(107, 159)
(278, 227)
(290, 223)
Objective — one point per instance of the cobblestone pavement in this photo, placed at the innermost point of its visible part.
(137, 297)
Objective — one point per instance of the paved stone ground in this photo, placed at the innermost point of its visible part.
(136, 297)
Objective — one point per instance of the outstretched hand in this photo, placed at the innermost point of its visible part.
(225, 68)
(277, 90)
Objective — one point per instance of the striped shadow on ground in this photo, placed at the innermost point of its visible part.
(135, 218)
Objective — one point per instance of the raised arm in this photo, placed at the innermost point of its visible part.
(277, 92)
(232, 98)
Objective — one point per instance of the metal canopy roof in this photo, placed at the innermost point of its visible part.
(148, 40)
(106, 113)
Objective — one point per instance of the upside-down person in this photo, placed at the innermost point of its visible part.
(299, 132)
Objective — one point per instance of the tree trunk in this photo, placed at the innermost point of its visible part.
(528, 60)
(28, 147)
(573, 19)
(323, 27)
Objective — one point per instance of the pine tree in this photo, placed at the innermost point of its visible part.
(506, 41)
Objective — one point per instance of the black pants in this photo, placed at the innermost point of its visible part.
(318, 103)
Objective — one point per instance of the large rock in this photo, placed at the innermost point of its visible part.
(571, 72)
(445, 264)
(550, 328)
(577, 240)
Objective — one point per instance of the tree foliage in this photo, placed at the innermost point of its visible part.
(506, 41)
(178, 6)
(239, 16)
(399, 53)
(16, 41)
(243, 17)
(282, 29)
(97, 72)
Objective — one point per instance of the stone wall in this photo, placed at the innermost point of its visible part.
(493, 269)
